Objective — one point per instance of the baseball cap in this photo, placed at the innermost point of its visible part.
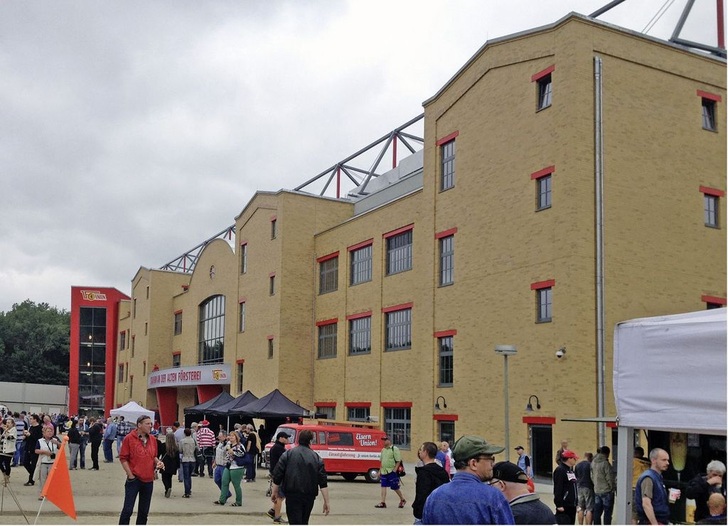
(282, 434)
(509, 472)
(518, 447)
(385, 437)
(567, 453)
(469, 446)
(205, 423)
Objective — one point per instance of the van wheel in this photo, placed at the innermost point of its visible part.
(372, 475)
(349, 476)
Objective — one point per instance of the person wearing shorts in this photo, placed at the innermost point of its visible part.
(389, 460)
(584, 490)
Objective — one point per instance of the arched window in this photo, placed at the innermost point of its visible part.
(212, 330)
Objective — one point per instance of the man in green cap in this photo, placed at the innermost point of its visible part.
(466, 500)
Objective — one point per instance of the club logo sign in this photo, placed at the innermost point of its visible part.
(93, 295)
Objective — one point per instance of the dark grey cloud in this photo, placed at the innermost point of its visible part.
(131, 131)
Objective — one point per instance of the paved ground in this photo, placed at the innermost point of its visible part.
(98, 497)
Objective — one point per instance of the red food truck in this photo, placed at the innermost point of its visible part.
(348, 449)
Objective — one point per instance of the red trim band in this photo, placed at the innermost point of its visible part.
(360, 245)
(539, 420)
(270, 336)
(324, 404)
(445, 417)
(327, 322)
(177, 353)
(401, 306)
(713, 299)
(243, 243)
(543, 284)
(273, 217)
(401, 230)
(446, 233)
(612, 425)
(272, 275)
(543, 73)
(447, 138)
(242, 300)
(357, 404)
(543, 172)
(238, 362)
(712, 191)
(444, 334)
(327, 257)
(395, 404)
(178, 311)
(366, 314)
(709, 96)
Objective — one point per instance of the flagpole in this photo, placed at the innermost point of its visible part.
(39, 508)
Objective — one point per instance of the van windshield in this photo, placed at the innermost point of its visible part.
(288, 431)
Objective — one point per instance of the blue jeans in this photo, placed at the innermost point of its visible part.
(132, 488)
(18, 457)
(187, 469)
(108, 452)
(603, 502)
(217, 478)
(82, 450)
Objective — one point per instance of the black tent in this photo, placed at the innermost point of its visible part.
(205, 407)
(236, 403)
(273, 405)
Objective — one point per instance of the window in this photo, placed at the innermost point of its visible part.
(133, 313)
(211, 341)
(240, 376)
(328, 274)
(273, 228)
(398, 424)
(147, 292)
(337, 438)
(710, 305)
(446, 431)
(447, 152)
(543, 192)
(711, 210)
(357, 414)
(144, 368)
(543, 87)
(133, 344)
(399, 252)
(445, 359)
(120, 377)
(146, 328)
(543, 300)
(243, 258)
(709, 122)
(241, 316)
(327, 339)
(398, 330)
(131, 385)
(178, 323)
(176, 359)
(361, 264)
(122, 340)
(360, 335)
(272, 285)
(270, 347)
(447, 260)
(327, 412)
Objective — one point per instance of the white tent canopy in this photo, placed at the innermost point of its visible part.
(669, 375)
(132, 411)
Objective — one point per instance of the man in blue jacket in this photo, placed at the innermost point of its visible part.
(650, 495)
(466, 500)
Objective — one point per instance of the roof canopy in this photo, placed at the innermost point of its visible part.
(211, 404)
(670, 372)
(236, 403)
(132, 411)
(273, 405)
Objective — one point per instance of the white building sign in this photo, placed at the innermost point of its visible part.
(217, 374)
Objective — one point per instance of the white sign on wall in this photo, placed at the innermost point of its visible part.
(217, 374)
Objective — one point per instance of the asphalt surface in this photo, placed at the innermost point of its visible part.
(99, 495)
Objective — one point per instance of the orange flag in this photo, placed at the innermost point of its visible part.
(57, 488)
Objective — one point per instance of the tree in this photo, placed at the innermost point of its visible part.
(34, 344)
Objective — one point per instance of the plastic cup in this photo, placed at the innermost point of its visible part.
(674, 495)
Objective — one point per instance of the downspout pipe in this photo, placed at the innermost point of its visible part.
(599, 224)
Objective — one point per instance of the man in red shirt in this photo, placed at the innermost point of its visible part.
(138, 457)
(206, 442)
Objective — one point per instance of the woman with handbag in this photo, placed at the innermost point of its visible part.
(170, 457)
(7, 447)
(234, 469)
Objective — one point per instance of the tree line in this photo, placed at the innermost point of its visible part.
(34, 344)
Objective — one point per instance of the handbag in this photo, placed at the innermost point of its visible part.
(400, 470)
(198, 455)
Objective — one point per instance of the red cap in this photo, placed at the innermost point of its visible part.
(567, 453)
(204, 423)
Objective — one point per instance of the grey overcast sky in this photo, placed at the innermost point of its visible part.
(132, 131)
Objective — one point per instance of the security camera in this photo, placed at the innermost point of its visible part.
(560, 353)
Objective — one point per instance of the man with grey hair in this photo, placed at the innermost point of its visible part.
(703, 486)
(650, 495)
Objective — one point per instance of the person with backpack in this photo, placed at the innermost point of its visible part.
(389, 459)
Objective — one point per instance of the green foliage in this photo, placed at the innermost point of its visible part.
(34, 344)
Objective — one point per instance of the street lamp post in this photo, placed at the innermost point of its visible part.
(506, 351)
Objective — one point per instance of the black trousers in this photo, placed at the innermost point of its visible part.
(95, 454)
(31, 459)
(298, 507)
(568, 516)
(5, 461)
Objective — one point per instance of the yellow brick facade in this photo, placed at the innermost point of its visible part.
(660, 258)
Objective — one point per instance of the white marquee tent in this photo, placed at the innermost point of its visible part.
(669, 375)
(131, 411)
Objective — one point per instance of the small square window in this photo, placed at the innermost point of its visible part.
(176, 360)
(273, 228)
(709, 121)
(543, 192)
(544, 92)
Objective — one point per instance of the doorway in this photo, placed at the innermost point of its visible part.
(541, 450)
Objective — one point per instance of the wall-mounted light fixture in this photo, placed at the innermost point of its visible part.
(437, 403)
(529, 406)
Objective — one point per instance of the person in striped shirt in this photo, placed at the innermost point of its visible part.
(206, 443)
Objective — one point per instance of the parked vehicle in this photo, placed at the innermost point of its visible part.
(348, 449)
